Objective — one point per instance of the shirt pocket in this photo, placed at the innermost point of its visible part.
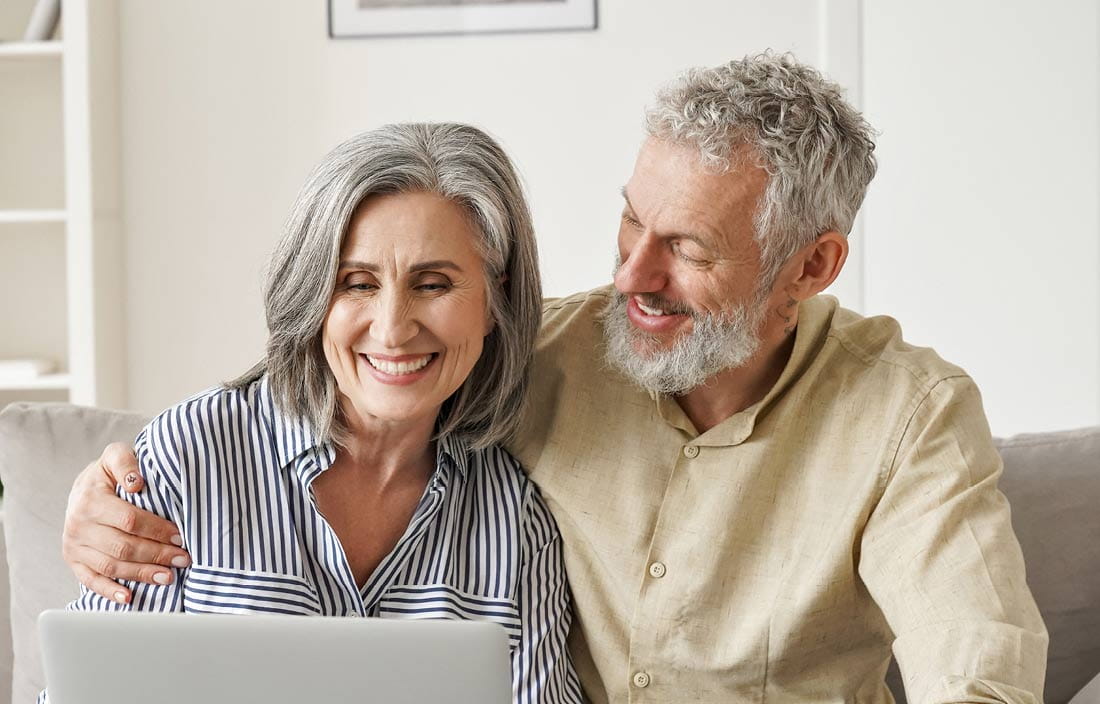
(441, 601)
(221, 590)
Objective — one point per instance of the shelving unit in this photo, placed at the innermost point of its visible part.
(16, 217)
(60, 248)
(30, 49)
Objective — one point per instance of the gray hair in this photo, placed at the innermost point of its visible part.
(458, 162)
(816, 148)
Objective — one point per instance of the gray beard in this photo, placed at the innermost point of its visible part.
(715, 344)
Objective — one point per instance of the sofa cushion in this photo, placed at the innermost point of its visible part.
(42, 449)
(1053, 483)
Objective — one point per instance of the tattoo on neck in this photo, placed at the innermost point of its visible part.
(788, 315)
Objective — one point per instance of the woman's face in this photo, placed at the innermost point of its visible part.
(408, 316)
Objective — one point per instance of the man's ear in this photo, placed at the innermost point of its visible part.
(818, 264)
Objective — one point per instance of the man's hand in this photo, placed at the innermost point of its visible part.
(106, 538)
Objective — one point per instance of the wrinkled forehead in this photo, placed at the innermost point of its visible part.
(672, 189)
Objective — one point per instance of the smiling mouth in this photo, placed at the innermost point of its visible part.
(401, 368)
(649, 311)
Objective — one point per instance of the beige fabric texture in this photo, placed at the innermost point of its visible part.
(857, 501)
(42, 449)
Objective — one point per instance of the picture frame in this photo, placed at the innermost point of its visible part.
(396, 18)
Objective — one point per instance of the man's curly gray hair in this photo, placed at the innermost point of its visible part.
(817, 149)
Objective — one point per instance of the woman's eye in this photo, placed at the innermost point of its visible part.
(432, 286)
(359, 284)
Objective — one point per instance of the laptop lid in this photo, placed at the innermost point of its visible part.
(124, 658)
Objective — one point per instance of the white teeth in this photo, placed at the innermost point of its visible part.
(398, 368)
(647, 310)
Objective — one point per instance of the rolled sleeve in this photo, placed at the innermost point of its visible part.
(939, 557)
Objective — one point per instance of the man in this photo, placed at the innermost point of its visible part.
(761, 494)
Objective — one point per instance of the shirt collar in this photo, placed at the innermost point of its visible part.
(453, 449)
(814, 319)
(294, 436)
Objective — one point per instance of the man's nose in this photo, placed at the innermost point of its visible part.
(643, 266)
(394, 322)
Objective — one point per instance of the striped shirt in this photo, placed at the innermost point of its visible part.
(234, 474)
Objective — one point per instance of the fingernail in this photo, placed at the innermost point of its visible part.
(131, 479)
(120, 597)
(177, 541)
(161, 578)
(180, 561)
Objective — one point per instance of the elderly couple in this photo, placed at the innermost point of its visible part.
(724, 487)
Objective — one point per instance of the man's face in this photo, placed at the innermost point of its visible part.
(690, 302)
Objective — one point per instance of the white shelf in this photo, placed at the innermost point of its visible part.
(47, 381)
(24, 50)
(31, 216)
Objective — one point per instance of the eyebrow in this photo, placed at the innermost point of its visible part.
(701, 241)
(419, 266)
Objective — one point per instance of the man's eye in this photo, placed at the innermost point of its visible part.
(679, 250)
(631, 221)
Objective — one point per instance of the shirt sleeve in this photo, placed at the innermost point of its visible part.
(542, 670)
(159, 464)
(939, 557)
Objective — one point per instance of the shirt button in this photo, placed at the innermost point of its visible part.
(641, 679)
(691, 451)
(657, 570)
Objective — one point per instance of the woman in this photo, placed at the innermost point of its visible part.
(356, 470)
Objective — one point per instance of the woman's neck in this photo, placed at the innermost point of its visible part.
(387, 450)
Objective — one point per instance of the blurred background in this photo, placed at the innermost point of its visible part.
(150, 150)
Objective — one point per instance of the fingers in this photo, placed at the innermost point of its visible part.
(102, 586)
(119, 463)
(124, 547)
(97, 571)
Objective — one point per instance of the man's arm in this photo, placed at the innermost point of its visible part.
(939, 557)
(108, 538)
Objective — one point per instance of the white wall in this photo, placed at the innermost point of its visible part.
(980, 236)
(982, 224)
(225, 106)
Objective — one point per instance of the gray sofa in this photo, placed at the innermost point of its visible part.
(1051, 479)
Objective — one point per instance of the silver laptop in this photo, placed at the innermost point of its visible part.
(119, 658)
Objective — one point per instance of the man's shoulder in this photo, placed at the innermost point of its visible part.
(876, 342)
(583, 308)
(573, 325)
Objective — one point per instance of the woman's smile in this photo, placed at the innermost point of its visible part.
(399, 370)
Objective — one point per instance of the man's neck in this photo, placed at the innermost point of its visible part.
(734, 390)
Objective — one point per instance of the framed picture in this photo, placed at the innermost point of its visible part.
(387, 18)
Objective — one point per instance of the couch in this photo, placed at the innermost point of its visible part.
(1052, 481)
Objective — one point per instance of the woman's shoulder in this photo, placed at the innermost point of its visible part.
(215, 414)
(496, 464)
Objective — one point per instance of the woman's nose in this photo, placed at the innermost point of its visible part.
(394, 322)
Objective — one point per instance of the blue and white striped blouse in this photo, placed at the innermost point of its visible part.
(234, 474)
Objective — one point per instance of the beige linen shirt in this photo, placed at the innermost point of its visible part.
(780, 555)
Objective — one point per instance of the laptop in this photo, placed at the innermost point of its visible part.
(124, 658)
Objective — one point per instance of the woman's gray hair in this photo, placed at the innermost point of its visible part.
(817, 149)
(458, 162)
